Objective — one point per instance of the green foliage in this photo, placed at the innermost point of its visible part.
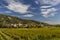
(6, 21)
(30, 33)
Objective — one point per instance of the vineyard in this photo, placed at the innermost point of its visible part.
(30, 34)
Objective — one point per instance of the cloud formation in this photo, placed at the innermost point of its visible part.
(49, 10)
(17, 6)
(50, 2)
(28, 15)
(36, 2)
(46, 6)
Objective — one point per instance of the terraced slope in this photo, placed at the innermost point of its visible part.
(30, 34)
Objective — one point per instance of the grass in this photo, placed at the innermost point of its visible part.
(29, 33)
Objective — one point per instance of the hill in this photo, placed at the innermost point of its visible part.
(11, 21)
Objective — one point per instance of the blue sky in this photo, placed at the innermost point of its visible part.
(40, 10)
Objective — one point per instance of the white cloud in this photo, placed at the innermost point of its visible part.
(45, 6)
(48, 12)
(51, 22)
(36, 2)
(53, 14)
(28, 15)
(45, 10)
(51, 2)
(17, 7)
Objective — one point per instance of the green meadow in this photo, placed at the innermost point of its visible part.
(29, 33)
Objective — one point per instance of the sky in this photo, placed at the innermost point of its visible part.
(40, 10)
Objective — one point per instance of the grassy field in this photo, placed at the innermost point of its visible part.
(30, 34)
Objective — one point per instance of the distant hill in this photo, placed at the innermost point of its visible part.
(7, 21)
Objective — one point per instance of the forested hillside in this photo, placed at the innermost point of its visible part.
(7, 21)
